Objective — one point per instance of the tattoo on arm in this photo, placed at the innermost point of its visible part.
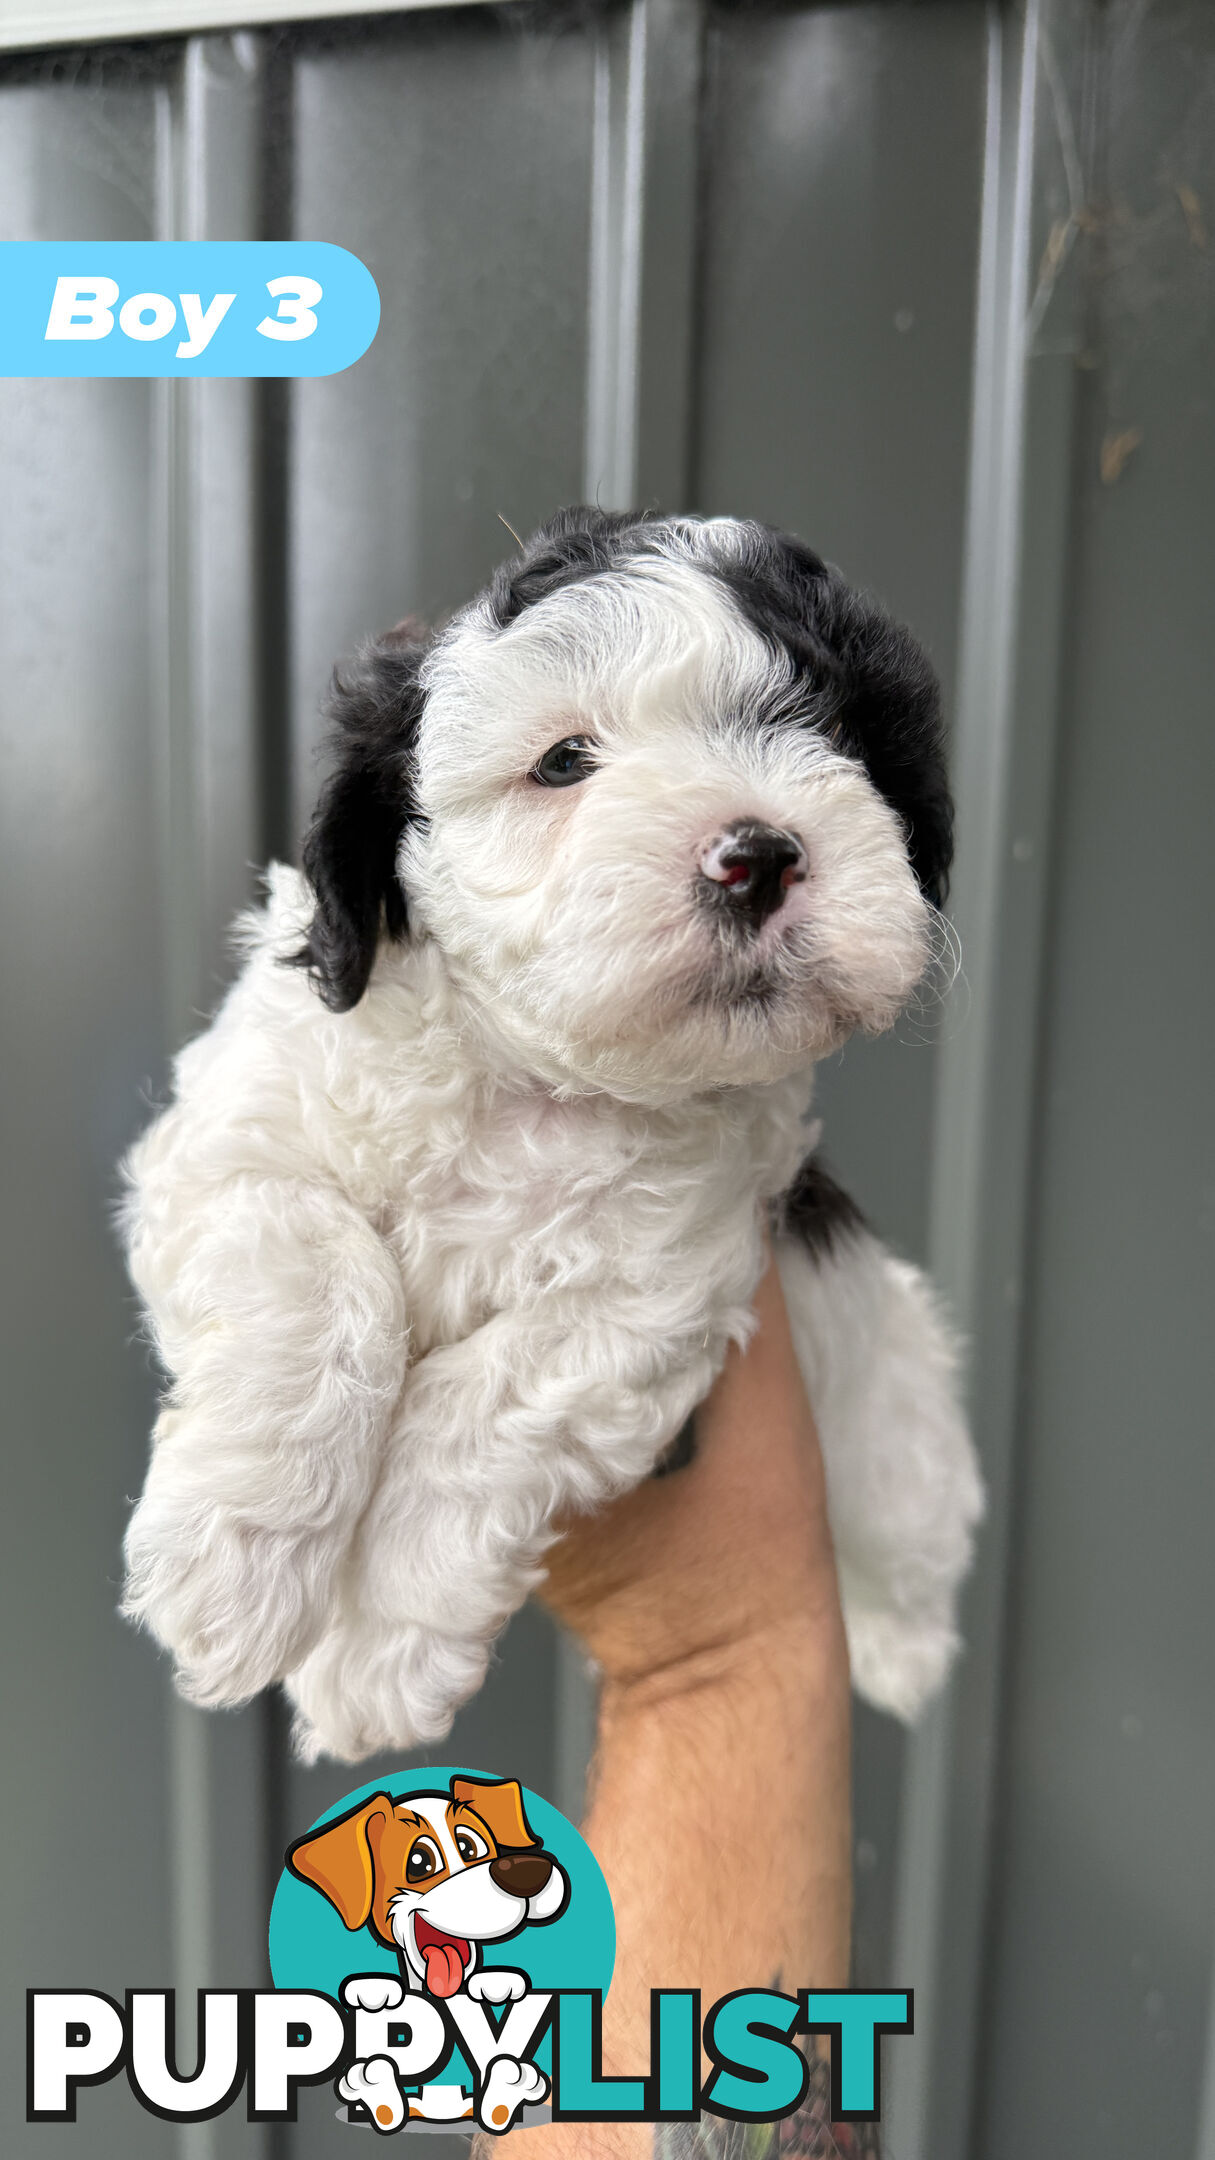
(807, 2134)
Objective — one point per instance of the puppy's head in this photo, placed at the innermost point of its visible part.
(436, 1874)
(670, 795)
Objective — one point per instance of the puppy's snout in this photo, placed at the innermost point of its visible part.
(523, 1874)
(750, 867)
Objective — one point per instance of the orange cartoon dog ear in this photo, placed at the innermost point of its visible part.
(339, 1860)
(499, 1803)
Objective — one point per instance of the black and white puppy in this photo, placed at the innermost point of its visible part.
(448, 1228)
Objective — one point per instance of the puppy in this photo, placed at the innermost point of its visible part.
(436, 1876)
(461, 1198)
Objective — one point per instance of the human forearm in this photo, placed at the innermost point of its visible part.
(719, 1791)
(719, 1814)
(737, 1767)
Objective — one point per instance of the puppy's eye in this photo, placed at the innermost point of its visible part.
(470, 1845)
(424, 1859)
(566, 763)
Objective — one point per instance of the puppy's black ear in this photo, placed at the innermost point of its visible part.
(350, 854)
(884, 704)
(890, 717)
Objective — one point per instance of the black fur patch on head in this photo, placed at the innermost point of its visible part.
(574, 544)
(883, 701)
(350, 853)
(817, 1210)
(885, 704)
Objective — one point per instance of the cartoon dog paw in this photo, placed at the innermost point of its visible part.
(508, 2086)
(374, 2084)
(374, 1992)
(496, 1985)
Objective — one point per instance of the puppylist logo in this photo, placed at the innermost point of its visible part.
(441, 1945)
(444, 1887)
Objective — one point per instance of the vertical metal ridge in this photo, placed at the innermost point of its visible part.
(1005, 746)
(643, 254)
(927, 1956)
(212, 818)
(1204, 2148)
(191, 1900)
(615, 259)
(983, 668)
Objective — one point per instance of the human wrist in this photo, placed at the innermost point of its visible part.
(768, 1660)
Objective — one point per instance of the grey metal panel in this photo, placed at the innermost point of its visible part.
(85, 1784)
(835, 339)
(1100, 1958)
(838, 286)
(452, 155)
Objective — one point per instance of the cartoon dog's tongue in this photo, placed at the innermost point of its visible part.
(444, 1956)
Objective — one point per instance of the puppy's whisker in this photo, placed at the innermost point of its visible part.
(942, 992)
(947, 955)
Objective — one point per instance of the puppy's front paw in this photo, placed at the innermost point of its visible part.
(373, 1991)
(373, 2085)
(231, 1599)
(507, 2087)
(496, 1985)
(361, 1692)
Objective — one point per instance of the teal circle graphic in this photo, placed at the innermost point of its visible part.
(310, 1946)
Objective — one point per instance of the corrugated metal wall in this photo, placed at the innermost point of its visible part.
(933, 284)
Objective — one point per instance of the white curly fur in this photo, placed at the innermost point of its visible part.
(430, 1271)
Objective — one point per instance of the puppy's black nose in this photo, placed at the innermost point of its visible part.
(749, 868)
(524, 1874)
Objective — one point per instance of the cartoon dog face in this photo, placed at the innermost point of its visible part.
(434, 1875)
(670, 797)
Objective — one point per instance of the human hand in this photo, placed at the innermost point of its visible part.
(725, 1560)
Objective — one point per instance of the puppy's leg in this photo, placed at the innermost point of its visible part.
(495, 1436)
(904, 1489)
(279, 1314)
